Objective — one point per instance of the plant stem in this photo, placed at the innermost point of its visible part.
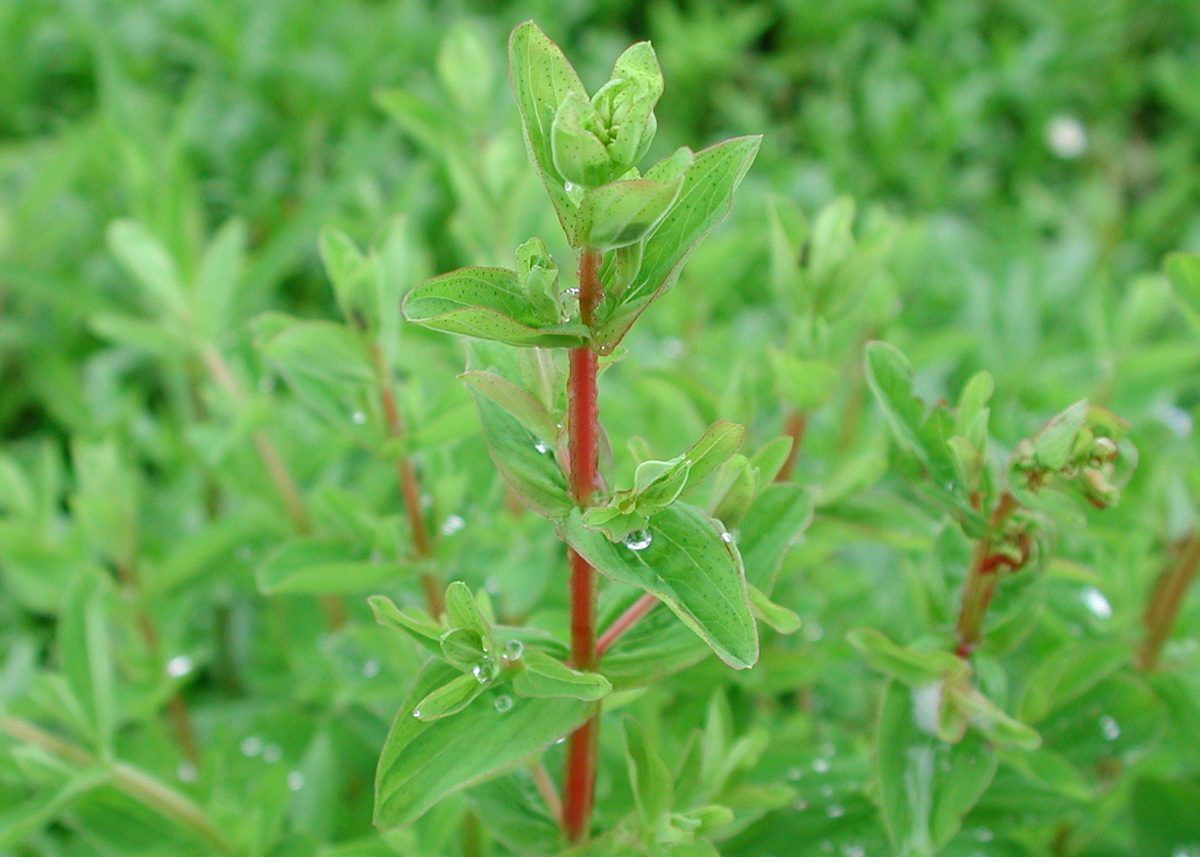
(281, 477)
(980, 584)
(545, 787)
(1170, 590)
(181, 723)
(139, 785)
(584, 431)
(410, 486)
(797, 425)
(624, 622)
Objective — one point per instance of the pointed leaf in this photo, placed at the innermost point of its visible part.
(690, 567)
(321, 566)
(543, 676)
(622, 213)
(450, 698)
(524, 461)
(518, 401)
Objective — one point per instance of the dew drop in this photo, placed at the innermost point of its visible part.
(672, 348)
(794, 774)
(827, 790)
(1109, 728)
(1095, 601)
(727, 538)
(272, 754)
(503, 703)
(485, 671)
(492, 585)
(835, 810)
(638, 540)
(370, 669)
(186, 772)
(984, 834)
(1186, 851)
(358, 418)
(827, 749)
(853, 850)
(426, 501)
(452, 525)
(826, 846)
(569, 187)
(1066, 136)
(541, 446)
(179, 666)
(251, 746)
(813, 631)
(513, 649)
(800, 805)
(821, 766)
(417, 713)
(295, 781)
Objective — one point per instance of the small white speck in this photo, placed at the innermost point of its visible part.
(1066, 136)
(186, 772)
(272, 754)
(370, 668)
(358, 418)
(295, 781)
(251, 746)
(672, 348)
(813, 632)
(452, 525)
(727, 538)
(835, 810)
(821, 766)
(1109, 728)
(1095, 601)
(179, 666)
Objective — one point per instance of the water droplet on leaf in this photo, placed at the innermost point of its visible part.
(638, 540)
(358, 418)
(1109, 728)
(295, 781)
(503, 703)
(1095, 601)
(179, 666)
(835, 810)
(514, 649)
(251, 746)
(272, 754)
(452, 525)
(371, 668)
(485, 671)
(186, 772)
(821, 766)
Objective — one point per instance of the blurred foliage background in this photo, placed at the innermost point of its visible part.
(1020, 169)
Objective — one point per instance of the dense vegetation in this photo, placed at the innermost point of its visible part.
(906, 447)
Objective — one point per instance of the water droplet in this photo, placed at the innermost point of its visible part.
(727, 538)
(251, 746)
(828, 750)
(179, 666)
(417, 713)
(452, 525)
(426, 501)
(672, 348)
(358, 418)
(1095, 601)
(503, 703)
(1109, 728)
(835, 810)
(1186, 851)
(821, 766)
(826, 846)
(492, 585)
(813, 631)
(927, 707)
(853, 850)
(638, 540)
(186, 772)
(272, 754)
(1066, 137)
(513, 649)
(485, 671)
(541, 446)
(827, 790)
(569, 187)
(794, 774)
(370, 668)
(983, 834)
(800, 805)
(295, 781)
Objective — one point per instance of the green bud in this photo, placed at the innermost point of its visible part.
(626, 105)
(579, 154)
(538, 274)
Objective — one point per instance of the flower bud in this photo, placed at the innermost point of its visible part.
(626, 104)
(579, 155)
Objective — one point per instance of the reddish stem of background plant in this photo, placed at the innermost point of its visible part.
(980, 584)
(584, 432)
(1169, 592)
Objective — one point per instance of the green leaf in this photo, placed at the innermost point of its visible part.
(925, 785)
(648, 774)
(889, 376)
(410, 621)
(780, 618)
(423, 762)
(1063, 676)
(465, 70)
(450, 698)
(718, 444)
(353, 276)
(704, 199)
(218, 278)
(992, 721)
(544, 677)
(622, 213)
(1054, 442)
(541, 78)
(462, 611)
(487, 303)
(525, 462)
(322, 566)
(518, 401)
(689, 567)
(774, 522)
(1183, 271)
(1165, 820)
(908, 666)
(145, 257)
(804, 384)
(85, 657)
(579, 155)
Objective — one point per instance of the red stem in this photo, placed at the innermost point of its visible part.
(636, 612)
(583, 425)
(980, 585)
(797, 425)
(1164, 605)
